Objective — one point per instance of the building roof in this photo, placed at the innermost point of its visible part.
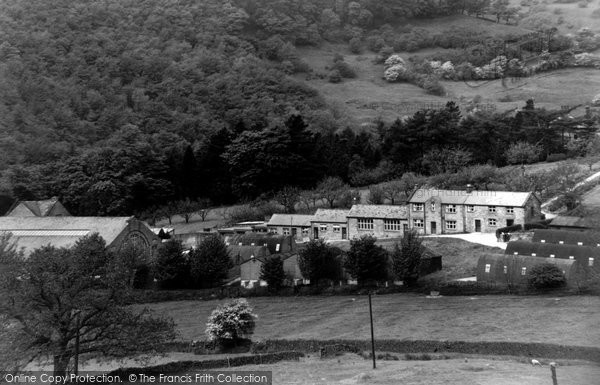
(578, 222)
(515, 264)
(378, 211)
(331, 215)
(40, 208)
(475, 197)
(586, 238)
(31, 233)
(275, 243)
(241, 254)
(290, 220)
(526, 248)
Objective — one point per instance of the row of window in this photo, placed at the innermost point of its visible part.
(452, 208)
(450, 225)
(488, 267)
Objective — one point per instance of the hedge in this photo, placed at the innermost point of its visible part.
(508, 229)
(186, 366)
(538, 350)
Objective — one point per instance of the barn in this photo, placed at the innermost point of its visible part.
(504, 269)
(566, 237)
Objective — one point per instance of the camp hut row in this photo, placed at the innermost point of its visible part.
(503, 269)
(566, 237)
(275, 243)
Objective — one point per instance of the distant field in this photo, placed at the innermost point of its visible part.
(351, 369)
(592, 198)
(568, 320)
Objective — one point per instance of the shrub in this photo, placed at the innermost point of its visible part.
(394, 60)
(365, 261)
(432, 86)
(556, 157)
(230, 323)
(396, 73)
(375, 43)
(344, 69)
(546, 276)
(317, 260)
(355, 45)
(334, 77)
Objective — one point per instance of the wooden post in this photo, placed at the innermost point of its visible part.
(372, 333)
(553, 371)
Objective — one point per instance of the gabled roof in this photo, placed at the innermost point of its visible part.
(241, 254)
(275, 243)
(587, 238)
(475, 197)
(544, 250)
(40, 208)
(331, 215)
(378, 211)
(290, 220)
(34, 232)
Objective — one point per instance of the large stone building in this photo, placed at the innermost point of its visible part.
(30, 233)
(454, 211)
(330, 224)
(296, 225)
(381, 221)
(45, 208)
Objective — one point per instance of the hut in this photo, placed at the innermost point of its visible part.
(503, 269)
(566, 237)
(275, 243)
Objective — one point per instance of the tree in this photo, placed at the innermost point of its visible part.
(272, 272)
(330, 189)
(592, 152)
(406, 258)
(231, 322)
(393, 191)
(546, 276)
(365, 261)
(66, 294)
(203, 208)
(446, 159)
(318, 261)
(187, 208)
(288, 197)
(523, 153)
(209, 262)
(171, 269)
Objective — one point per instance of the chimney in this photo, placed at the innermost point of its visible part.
(469, 188)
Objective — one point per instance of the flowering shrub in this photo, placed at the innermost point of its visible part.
(396, 73)
(586, 60)
(231, 322)
(445, 70)
(394, 60)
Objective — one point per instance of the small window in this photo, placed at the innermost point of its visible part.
(277, 247)
(337, 229)
(471, 208)
(432, 206)
(417, 206)
(510, 210)
(523, 270)
(543, 241)
(492, 209)
(571, 257)
(305, 232)
(516, 253)
(451, 225)
(579, 243)
(590, 261)
(451, 208)
(505, 269)
(418, 223)
(533, 254)
(487, 267)
(365, 224)
(552, 255)
(286, 231)
(561, 242)
(323, 228)
(492, 222)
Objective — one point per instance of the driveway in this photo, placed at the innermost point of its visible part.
(487, 239)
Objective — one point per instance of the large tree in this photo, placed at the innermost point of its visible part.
(318, 261)
(210, 262)
(406, 258)
(63, 303)
(365, 261)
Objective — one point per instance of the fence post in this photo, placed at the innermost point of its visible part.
(553, 371)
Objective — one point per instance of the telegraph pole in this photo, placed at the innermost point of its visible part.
(372, 333)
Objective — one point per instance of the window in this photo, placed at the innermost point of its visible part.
(505, 269)
(510, 210)
(337, 229)
(523, 270)
(450, 225)
(579, 243)
(543, 241)
(571, 257)
(487, 267)
(418, 223)
(492, 209)
(305, 232)
(417, 206)
(277, 247)
(590, 261)
(365, 224)
(432, 206)
(286, 231)
(552, 255)
(392, 225)
(561, 242)
(451, 208)
(471, 208)
(533, 254)
(492, 222)
(323, 228)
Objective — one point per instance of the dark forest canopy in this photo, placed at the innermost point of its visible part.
(116, 106)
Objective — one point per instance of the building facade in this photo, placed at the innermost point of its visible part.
(381, 221)
(296, 225)
(455, 211)
(330, 224)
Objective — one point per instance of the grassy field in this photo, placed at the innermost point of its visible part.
(351, 369)
(559, 320)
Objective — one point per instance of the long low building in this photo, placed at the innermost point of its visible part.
(30, 233)
(567, 237)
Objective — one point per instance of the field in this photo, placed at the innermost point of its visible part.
(351, 369)
(558, 320)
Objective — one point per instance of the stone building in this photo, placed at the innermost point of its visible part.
(457, 211)
(330, 224)
(296, 225)
(381, 221)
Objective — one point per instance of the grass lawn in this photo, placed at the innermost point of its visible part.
(351, 369)
(571, 320)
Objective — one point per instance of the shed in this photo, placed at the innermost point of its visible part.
(506, 269)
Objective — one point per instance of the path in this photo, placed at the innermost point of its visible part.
(487, 239)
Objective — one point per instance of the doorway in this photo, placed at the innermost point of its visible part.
(477, 225)
(433, 227)
(510, 222)
(344, 232)
(316, 232)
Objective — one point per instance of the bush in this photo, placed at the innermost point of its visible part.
(334, 77)
(396, 73)
(432, 86)
(355, 45)
(230, 323)
(556, 157)
(344, 69)
(546, 276)
(508, 229)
